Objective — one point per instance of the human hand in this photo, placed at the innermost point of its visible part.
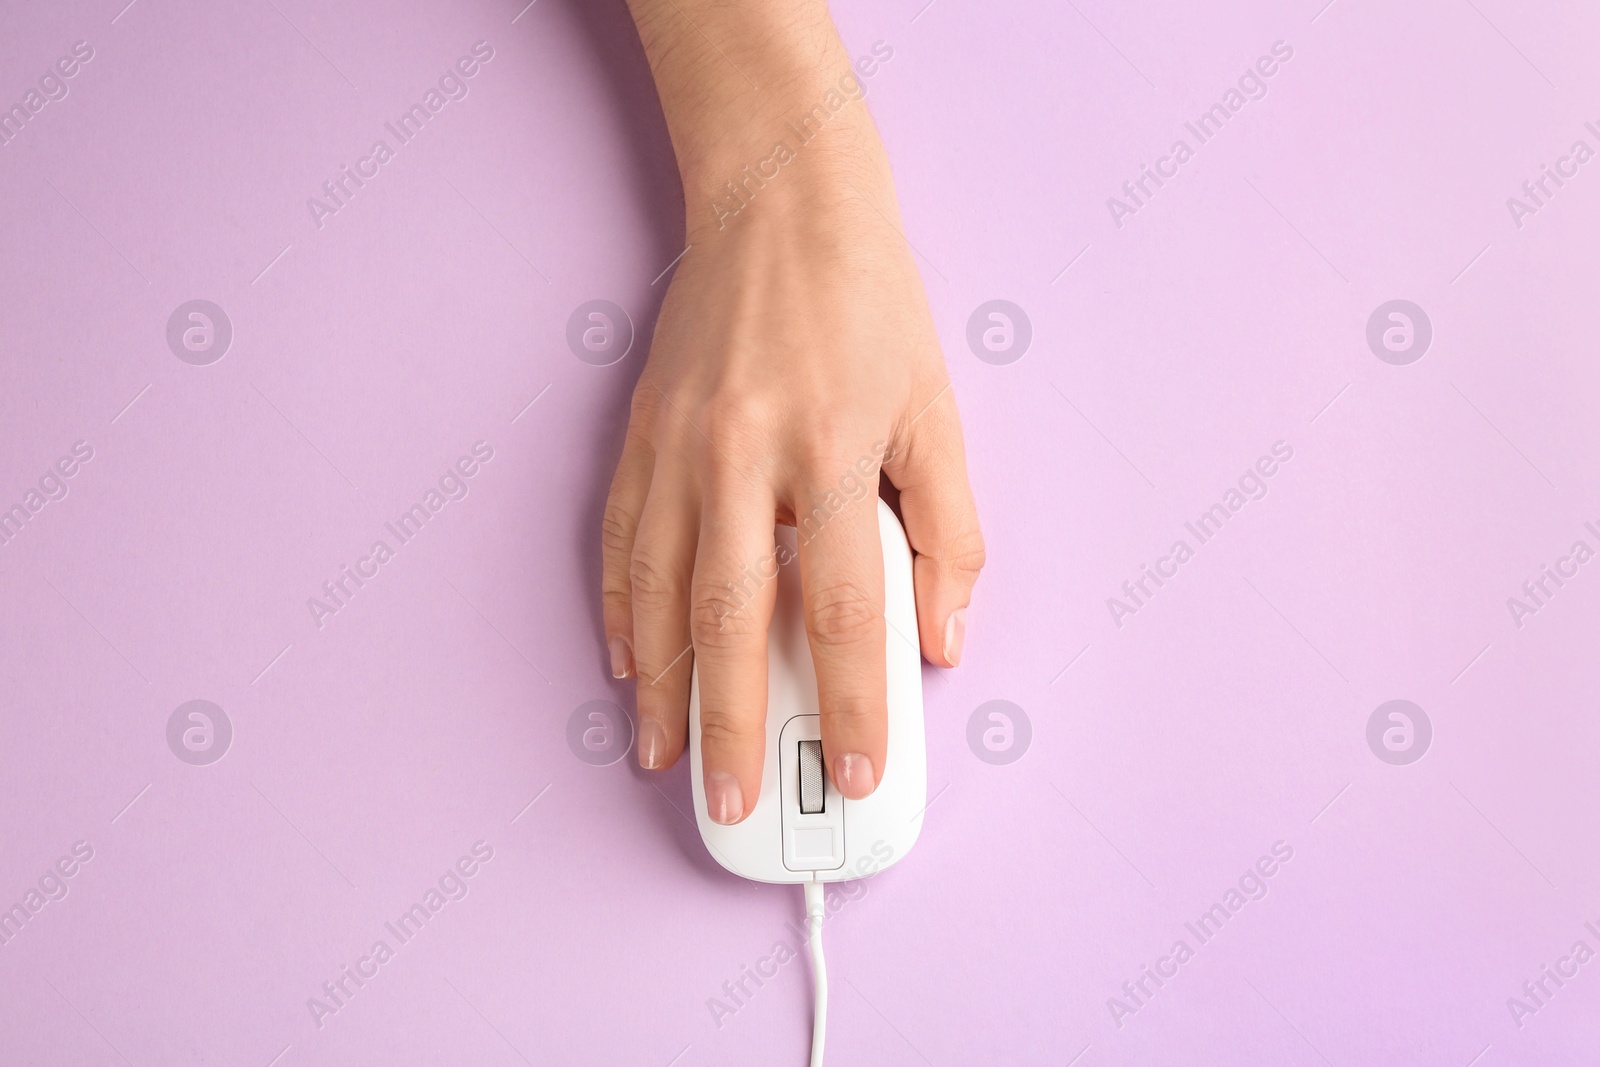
(794, 356)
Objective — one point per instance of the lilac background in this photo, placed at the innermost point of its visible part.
(1228, 714)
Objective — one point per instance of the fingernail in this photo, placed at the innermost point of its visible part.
(621, 657)
(652, 744)
(955, 632)
(724, 800)
(852, 773)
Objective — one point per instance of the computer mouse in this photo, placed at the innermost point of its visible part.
(801, 828)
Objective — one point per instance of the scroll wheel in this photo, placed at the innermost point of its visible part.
(811, 789)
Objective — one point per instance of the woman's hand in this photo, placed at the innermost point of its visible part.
(794, 357)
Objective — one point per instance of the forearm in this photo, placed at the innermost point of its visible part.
(761, 101)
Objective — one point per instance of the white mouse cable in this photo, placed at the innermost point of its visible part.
(819, 1020)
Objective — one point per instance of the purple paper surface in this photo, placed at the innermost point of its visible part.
(1357, 275)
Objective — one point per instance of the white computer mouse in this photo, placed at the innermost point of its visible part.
(802, 829)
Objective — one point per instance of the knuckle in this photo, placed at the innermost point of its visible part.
(652, 581)
(842, 614)
(736, 423)
(967, 554)
(738, 420)
(825, 454)
(645, 404)
(617, 528)
(722, 730)
(735, 436)
(718, 620)
(615, 601)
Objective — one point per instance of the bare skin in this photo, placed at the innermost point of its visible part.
(794, 352)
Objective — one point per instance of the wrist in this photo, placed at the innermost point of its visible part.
(763, 104)
(805, 159)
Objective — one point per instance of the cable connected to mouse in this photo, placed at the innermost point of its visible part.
(819, 970)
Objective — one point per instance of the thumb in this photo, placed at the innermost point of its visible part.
(930, 470)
